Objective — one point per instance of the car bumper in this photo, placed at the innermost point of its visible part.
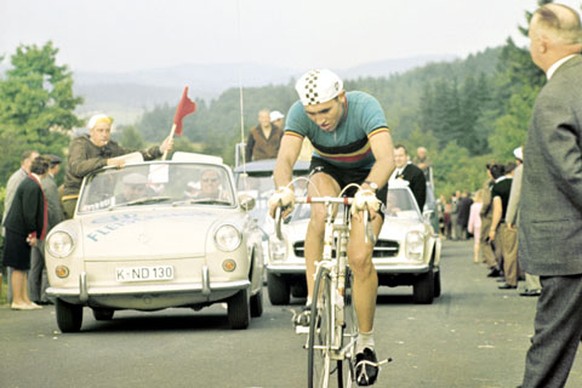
(149, 297)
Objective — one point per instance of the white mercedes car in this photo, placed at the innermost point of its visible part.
(155, 235)
(407, 252)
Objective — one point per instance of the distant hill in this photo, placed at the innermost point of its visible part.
(127, 95)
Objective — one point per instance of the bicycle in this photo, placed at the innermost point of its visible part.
(333, 329)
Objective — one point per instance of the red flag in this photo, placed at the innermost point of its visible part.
(185, 107)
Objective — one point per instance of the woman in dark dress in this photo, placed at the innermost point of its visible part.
(25, 225)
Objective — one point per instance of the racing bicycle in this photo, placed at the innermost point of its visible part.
(333, 328)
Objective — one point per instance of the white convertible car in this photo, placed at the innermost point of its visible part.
(407, 252)
(155, 235)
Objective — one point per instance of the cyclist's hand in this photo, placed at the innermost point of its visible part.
(365, 200)
(283, 197)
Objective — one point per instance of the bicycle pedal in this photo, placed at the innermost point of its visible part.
(384, 361)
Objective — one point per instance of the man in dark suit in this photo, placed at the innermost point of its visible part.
(411, 173)
(550, 242)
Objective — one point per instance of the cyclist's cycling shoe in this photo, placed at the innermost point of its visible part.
(366, 367)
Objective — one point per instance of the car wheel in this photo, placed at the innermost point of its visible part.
(257, 304)
(423, 289)
(279, 290)
(101, 314)
(437, 284)
(69, 316)
(239, 313)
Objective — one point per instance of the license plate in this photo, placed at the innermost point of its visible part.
(144, 274)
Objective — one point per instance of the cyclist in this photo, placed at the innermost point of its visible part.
(352, 144)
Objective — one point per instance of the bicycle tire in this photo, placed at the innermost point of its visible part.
(319, 341)
(349, 334)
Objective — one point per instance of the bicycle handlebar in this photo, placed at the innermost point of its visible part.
(369, 232)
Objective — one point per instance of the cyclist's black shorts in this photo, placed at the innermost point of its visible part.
(346, 176)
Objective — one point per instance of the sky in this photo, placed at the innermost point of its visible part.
(130, 35)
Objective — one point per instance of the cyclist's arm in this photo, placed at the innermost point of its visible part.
(286, 158)
(383, 151)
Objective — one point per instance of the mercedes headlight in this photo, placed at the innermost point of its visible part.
(414, 245)
(60, 244)
(278, 248)
(227, 238)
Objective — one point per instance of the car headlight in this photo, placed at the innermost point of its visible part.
(414, 245)
(60, 244)
(227, 238)
(278, 248)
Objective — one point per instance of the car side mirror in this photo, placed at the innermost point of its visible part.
(427, 214)
(247, 203)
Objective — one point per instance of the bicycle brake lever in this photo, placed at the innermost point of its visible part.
(369, 235)
(278, 216)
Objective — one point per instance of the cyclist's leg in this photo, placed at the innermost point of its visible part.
(365, 290)
(365, 277)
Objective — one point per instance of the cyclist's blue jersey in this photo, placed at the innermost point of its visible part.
(348, 146)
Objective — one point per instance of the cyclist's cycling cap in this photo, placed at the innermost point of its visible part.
(318, 86)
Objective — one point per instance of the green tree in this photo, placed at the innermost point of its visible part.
(36, 105)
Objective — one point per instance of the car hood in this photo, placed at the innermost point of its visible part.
(392, 229)
(397, 228)
(153, 233)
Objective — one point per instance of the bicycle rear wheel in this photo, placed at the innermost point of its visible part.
(349, 336)
(319, 342)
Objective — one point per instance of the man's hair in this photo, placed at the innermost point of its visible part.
(26, 154)
(564, 25)
(401, 146)
(40, 165)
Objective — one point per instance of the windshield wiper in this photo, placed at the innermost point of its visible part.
(144, 201)
(203, 201)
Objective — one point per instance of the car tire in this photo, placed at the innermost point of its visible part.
(279, 290)
(257, 304)
(423, 288)
(101, 314)
(239, 312)
(437, 284)
(69, 316)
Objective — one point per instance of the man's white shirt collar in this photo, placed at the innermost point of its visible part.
(556, 65)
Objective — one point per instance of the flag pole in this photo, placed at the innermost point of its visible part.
(172, 131)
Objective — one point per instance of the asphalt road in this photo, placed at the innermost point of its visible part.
(474, 335)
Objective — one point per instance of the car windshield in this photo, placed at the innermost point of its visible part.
(175, 184)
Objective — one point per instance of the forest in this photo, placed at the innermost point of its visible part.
(467, 113)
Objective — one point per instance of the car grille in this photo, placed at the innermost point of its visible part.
(386, 248)
(383, 248)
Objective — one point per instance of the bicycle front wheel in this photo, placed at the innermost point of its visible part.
(349, 333)
(319, 341)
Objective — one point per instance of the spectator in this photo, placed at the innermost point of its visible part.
(276, 118)
(532, 282)
(504, 238)
(88, 153)
(474, 224)
(409, 172)
(551, 196)
(25, 224)
(422, 161)
(464, 207)
(264, 140)
(489, 253)
(455, 230)
(37, 278)
(13, 182)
